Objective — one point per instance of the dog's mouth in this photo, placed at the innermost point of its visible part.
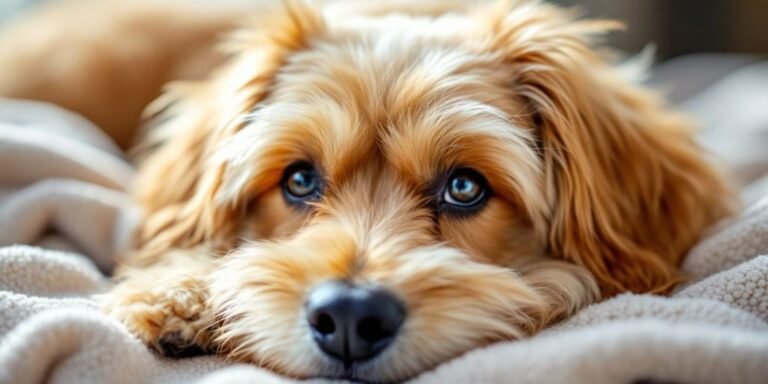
(348, 376)
(354, 379)
(359, 372)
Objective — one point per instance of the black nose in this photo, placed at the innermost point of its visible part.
(353, 323)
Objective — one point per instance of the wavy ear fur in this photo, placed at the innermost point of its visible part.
(179, 181)
(630, 191)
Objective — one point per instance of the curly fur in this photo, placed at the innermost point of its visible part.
(598, 188)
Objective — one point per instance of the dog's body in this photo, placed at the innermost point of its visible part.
(367, 196)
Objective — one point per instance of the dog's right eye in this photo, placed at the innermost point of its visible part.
(301, 183)
(465, 192)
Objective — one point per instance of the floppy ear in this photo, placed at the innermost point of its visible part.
(179, 181)
(629, 190)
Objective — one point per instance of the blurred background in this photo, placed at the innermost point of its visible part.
(679, 27)
(676, 27)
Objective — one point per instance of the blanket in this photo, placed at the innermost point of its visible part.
(64, 213)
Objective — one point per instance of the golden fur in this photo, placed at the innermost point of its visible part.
(598, 189)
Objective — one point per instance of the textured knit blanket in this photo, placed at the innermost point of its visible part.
(64, 213)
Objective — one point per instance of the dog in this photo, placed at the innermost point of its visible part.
(362, 191)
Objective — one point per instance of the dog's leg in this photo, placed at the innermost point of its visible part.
(165, 304)
(107, 60)
(564, 287)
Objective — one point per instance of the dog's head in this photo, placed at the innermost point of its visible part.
(389, 188)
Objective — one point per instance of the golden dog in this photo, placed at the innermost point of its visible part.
(364, 191)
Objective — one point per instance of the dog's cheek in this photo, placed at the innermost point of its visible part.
(269, 216)
(257, 294)
(454, 304)
(498, 234)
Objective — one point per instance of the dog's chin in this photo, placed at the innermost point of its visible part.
(381, 369)
(373, 371)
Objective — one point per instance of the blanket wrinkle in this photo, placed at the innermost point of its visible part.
(659, 351)
(681, 309)
(39, 115)
(53, 275)
(58, 205)
(744, 286)
(61, 156)
(65, 215)
(736, 240)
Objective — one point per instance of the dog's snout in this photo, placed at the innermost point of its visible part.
(353, 323)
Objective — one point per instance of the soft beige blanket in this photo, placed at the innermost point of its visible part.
(61, 194)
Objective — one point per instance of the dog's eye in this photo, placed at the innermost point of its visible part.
(301, 183)
(465, 189)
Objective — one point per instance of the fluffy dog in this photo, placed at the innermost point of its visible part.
(363, 190)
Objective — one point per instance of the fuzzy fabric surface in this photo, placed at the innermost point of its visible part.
(64, 213)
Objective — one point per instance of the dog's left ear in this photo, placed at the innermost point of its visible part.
(628, 188)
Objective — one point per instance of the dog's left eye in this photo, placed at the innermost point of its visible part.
(301, 183)
(465, 189)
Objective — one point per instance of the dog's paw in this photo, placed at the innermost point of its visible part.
(171, 317)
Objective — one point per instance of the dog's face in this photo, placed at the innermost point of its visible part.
(390, 163)
(401, 182)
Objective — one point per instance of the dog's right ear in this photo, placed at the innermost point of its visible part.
(629, 189)
(180, 178)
